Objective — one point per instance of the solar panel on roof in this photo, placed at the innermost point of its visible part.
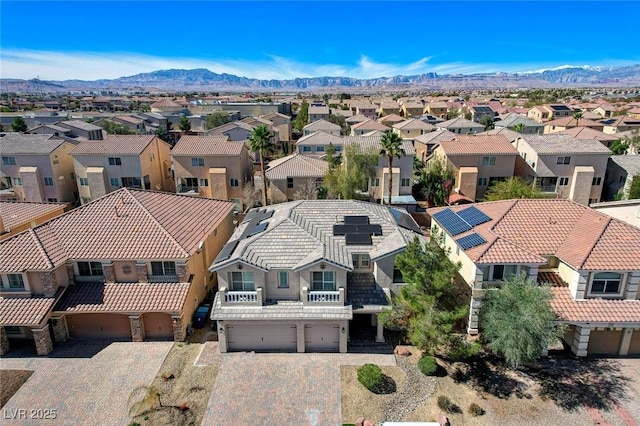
(358, 239)
(404, 220)
(356, 220)
(471, 240)
(451, 222)
(473, 216)
(227, 251)
(264, 214)
(339, 229)
(257, 229)
(252, 224)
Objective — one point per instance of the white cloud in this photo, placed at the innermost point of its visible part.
(28, 64)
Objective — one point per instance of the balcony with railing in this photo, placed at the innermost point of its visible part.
(163, 278)
(240, 298)
(89, 278)
(188, 189)
(323, 298)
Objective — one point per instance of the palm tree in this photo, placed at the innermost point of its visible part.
(577, 116)
(519, 127)
(391, 147)
(260, 141)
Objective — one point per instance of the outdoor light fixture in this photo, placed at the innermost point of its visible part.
(342, 330)
(322, 266)
(240, 266)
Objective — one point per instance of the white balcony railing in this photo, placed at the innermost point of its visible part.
(246, 298)
(89, 278)
(323, 298)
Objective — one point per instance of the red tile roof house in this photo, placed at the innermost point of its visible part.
(129, 265)
(590, 259)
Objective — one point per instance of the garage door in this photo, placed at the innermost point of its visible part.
(604, 342)
(260, 337)
(158, 326)
(322, 337)
(110, 326)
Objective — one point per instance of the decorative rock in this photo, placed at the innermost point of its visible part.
(168, 376)
(402, 351)
(183, 406)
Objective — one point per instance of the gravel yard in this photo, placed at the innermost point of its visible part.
(10, 382)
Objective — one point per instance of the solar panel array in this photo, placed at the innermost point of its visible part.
(473, 216)
(356, 220)
(356, 230)
(469, 241)
(339, 229)
(257, 229)
(404, 220)
(450, 221)
(258, 214)
(227, 251)
(358, 239)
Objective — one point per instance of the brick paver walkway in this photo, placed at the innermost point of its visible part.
(86, 385)
(281, 389)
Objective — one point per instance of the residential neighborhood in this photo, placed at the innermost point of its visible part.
(343, 229)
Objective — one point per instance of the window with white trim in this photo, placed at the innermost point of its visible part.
(323, 281)
(8, 161)
(596, 181)
(48, 181)
(89, 269)
(14, 282)
(17, 181)
(203, 182)
(115, 161)
(197, 162)
(482, 181)
(163, 268)
(306, 149)
(234, 182)
(283, 279)
(563, 181)
(606, 283)
(115, 182)
(84, 181)
(563, 160)
(405, 182)
(242, 281)
(488, 161)
(375, 181)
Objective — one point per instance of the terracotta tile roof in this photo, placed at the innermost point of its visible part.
(25, 311)
(553, 278)
(166, 102)
(373, 142)
(603, 311)
(582, 237)
(413, 123)
(124, 298)
(297, 166)
(207, 145)
(370, 125)
(14, 213)
(358, 118)
(124, 224)
(478, 144)
(391, 118)
(588, 133)
(571, 122)
(321, 125)
(115, 144)
(319, 138)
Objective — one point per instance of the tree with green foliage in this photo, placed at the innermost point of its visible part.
(487, 122)
(331, 156)
(633, 139)
(513, 187)
(114, 128)
(260, 141)
(428, 308)
(352, 175)
(184, 124)
(452, 113)
(577, 115)
(19, 125)
(344, 96)
(517, 321)
(217, 118)
(302, 118)
(619, 147)
(341, 121)
(519, 127)
(391, 146)
(436, 181)
(634, 190)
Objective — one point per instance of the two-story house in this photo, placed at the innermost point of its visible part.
(438, 109)
(621, 170)
(411, 109)
(477, 162)
(479, 112)
(565, 123)
(388, 108)
(36, 168)
(321, 125)
(549, 112)
(16, 216)
(461, 126)
(425, 144)
(118, 161)
(367, 126)
(302, 276)
(391, 119)
(212, 167)
(295, 177)
(402, 169)
(589, 258)
(318, 112)
(317, 143)
(83, 130)
(564, 166)
(412, 128)
(131, 265)
(512, 121)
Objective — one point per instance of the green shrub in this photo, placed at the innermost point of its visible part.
(371, 377)
(428, 365)
(445, 404)
(462, 349)
(475, 410)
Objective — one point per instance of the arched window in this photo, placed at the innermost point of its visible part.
(606, 283)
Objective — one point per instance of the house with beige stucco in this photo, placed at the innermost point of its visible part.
(477, 162)
(563, 166)
(318, 142)
(309, 276)
(36, 168)
(212, 167)
(295, 177)
(130, 265)
(461, 126)
(118, 161)
(589, 259)
(412, 128)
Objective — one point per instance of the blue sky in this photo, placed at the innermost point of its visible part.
(89, 40)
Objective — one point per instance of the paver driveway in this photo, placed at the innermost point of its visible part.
(86, 382)
(281, 389)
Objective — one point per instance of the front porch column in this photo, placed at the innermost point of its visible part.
(222, 337)
(474, 315)
(300, 337)
(137, 328)
(178, 329)
(42, 338)
(627, 334)
(60, 329)
(580, 341)
(181, 270)
(344, 333)
(4, 341)
(49, 284)
(141, 271)
(379, 331)
(109, 272)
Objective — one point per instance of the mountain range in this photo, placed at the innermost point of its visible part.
(179, 80)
